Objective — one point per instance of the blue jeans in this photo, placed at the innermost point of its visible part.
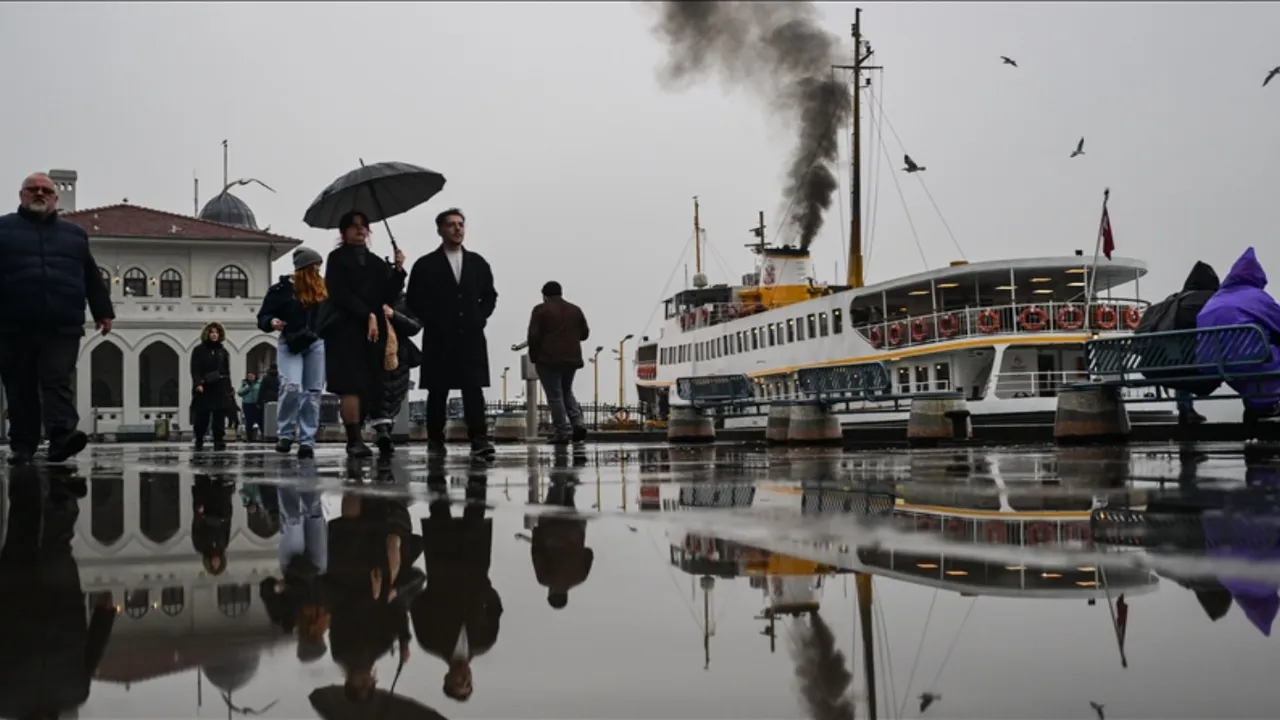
(301, 384)
(1185, 402)
(302, 528)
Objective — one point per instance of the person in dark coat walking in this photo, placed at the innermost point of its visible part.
(47, 274)
(1178, 312)
(458, 616)
(359, 283)
(451, 293)
(396, 384)
(557, 329)
(50, 647)
(561, 558)
(211, 395)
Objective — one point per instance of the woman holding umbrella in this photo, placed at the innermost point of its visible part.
(359, 284)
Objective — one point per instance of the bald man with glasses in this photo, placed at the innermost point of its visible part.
(47, 276)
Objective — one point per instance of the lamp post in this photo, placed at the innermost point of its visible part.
(622, 372)
(595, 360)
(505, 370)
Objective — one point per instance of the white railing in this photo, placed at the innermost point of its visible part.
(1017, 319)
(1009, 386)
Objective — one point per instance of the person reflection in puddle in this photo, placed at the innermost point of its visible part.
(370, 576)
(211, 497)
(1248, 532)
(48, 650)
(456, 618)
(561, 558)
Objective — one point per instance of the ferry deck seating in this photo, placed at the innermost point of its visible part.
(866, 382)
(1158, 360)
(716, 391)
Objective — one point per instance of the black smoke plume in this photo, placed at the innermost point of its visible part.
(778, 50)
(822, 671)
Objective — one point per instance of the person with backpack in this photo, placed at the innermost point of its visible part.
(1179, 312)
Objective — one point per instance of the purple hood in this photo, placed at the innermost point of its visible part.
(1243, 300)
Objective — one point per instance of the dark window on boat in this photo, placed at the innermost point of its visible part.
(813, 325)
(791, 330)
(904, 380)
(726, 344)
(799, 329)
(942, 376)
(773, 336)
(755, 338)
(822, 324)
(742, 341)
(837, 321)
(922, 378)
(778, 329)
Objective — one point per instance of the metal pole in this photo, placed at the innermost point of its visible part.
(622, 372)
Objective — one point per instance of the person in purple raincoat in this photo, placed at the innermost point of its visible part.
(1243, 300)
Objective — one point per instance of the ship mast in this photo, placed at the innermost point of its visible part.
(855, 279)
(697, 238)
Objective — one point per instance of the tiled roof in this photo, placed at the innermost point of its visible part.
(132, 221)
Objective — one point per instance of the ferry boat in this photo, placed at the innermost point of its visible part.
(1007, 333)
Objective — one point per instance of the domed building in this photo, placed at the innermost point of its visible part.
(228, 209)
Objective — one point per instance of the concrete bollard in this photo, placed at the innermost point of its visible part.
(811, 423)
(1090, 413)
(938, 416)
(509, 428)
(687, 425)
(776, 430)
(270, 422)
(456, 431)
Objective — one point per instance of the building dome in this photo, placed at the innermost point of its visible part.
(235, 671)
(230, 210)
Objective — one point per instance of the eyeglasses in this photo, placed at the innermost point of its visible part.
(39, 190)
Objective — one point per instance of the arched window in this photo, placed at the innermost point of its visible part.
(106, 276)
(135, 283)
(170, 284)
(231, 282)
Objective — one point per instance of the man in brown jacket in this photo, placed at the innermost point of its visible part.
(557, 329)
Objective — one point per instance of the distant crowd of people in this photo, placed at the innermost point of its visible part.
(348, 330)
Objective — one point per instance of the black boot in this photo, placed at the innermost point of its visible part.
(67, 447)
(481, 448)
(355, 444)
(382, 438)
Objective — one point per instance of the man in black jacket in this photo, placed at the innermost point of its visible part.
(47, 274)
(1178, 312)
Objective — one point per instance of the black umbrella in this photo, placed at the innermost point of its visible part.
(380, 191)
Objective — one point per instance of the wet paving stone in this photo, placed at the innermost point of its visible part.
(148, 581)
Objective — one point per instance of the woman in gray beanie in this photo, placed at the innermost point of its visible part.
(291, 308)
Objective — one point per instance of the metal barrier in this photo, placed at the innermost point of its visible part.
(715, 390)
(858, 381)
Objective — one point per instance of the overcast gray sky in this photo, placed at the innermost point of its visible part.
(573, 164)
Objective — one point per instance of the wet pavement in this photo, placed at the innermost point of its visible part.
(645, 582)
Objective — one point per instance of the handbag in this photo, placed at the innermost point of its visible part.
(299, 341)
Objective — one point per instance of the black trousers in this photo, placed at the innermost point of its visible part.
(203, 418)
(472, 410)
(39, 374)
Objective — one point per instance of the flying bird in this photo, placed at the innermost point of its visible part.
(1008, 61)
(1097, 708)
(246, 181)
(1274, 72)
(911, 165)
(927, 699)
(1079, 148)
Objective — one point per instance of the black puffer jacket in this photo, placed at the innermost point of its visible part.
(281, 304)
(1179, 310)
(47, 274)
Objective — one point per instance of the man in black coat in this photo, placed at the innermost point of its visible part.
(47, 274)
(1178, 312)
(451, 292)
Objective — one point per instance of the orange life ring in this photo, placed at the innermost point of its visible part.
(1033, 319)
(876, 336)
(1105, 317)
(1070, 317)
(1132, 316)
(995, 532)
(705, 314)
(1080, 532)
(954, 529)
(919, 330)
(895, 334)
(1039, 533)
(621, 415)
(948, 325)
(684, 322)
(988, 322)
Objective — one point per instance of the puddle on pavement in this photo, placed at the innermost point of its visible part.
(720, 582)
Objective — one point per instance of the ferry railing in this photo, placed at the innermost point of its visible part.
(1120, 314)
(1009, 386)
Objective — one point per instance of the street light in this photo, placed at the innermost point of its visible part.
(595, 361)
(505, 370)
(622, 372)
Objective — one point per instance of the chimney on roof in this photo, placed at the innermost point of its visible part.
(65, 182)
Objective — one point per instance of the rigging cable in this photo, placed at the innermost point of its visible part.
(873, 196)
(924, 631)
(882, 629)
(911, 223)
(670, 277)
(934, 685)
(945, 224)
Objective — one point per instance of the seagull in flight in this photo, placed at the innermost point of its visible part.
(1008, 60)
(927, 699)
(246, 181)
(911, 165)
(1097, 708)
(1079, 148)
(1274, 72)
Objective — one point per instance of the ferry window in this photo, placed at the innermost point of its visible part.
(837, 321)
(773, 338)
(791, 331)
(728, 344)
(778, 328)
(942, 375)
(922, 378)
(799, 329)
(813, 325)
(904, 380)
(742, 341)
(822, 324)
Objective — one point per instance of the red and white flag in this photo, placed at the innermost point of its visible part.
(1108, 240)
